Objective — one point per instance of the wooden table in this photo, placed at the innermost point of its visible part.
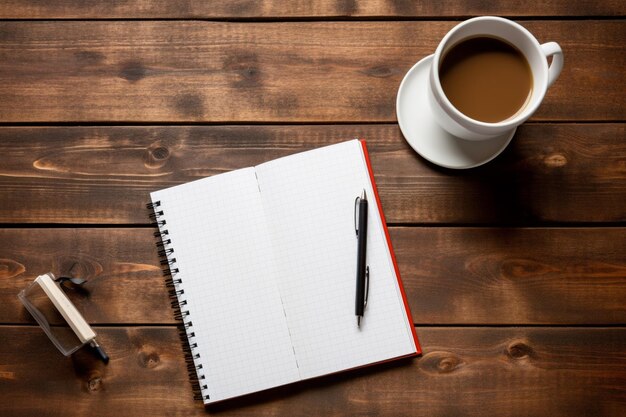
(515, 271)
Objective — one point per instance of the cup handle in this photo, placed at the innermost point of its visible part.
(553, 49)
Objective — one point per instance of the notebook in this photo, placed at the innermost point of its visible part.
(263, 268)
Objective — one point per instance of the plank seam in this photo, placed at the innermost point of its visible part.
(296, 19)
(264, 123)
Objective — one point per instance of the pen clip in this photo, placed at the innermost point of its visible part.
(356, 206)
(367, 285)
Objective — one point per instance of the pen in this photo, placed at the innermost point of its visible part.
(99, 351)
(362, 271)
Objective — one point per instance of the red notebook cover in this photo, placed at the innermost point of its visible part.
(393, 256)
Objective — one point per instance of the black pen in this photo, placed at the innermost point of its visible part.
(362, 271)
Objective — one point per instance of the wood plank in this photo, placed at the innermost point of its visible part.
(76, 9)
(451, 275)
(513, 276)
(469, 371)
(200, 71)
(550, 173)
(125, 281)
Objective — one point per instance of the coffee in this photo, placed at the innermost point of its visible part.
(486, 78)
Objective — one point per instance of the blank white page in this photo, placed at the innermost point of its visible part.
(223, 250)
(309, 203)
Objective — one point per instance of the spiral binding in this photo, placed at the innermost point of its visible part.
(176, 292)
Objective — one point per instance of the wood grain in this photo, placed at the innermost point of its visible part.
(125, 281)
(200, 71)
(550, 173)
(451, 275)
(513, 276)
(145, 9)
(468, 371)
(277, 65)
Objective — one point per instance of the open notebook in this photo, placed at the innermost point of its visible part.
(264, 267)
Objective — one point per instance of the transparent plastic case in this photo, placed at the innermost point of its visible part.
(45, 311)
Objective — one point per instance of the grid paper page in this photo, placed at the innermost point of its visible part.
(223, 250)
(309, 201)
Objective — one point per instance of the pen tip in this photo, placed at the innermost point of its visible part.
(358, 321)
(363, 195)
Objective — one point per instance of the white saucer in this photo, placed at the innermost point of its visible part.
(427, 138)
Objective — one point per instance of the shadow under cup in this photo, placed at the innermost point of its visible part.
(459, 124)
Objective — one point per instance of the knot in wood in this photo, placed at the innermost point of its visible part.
(250, 72)
(132, 71)
(521, 268)
(519, 350)
(78, 266)
(94, 384)
(10, 268)
(149, 359)
(556, 160)
(156, 155)
(160, 152)
(440, 362)
(448, 364)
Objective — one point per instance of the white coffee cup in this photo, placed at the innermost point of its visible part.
(462, 126)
